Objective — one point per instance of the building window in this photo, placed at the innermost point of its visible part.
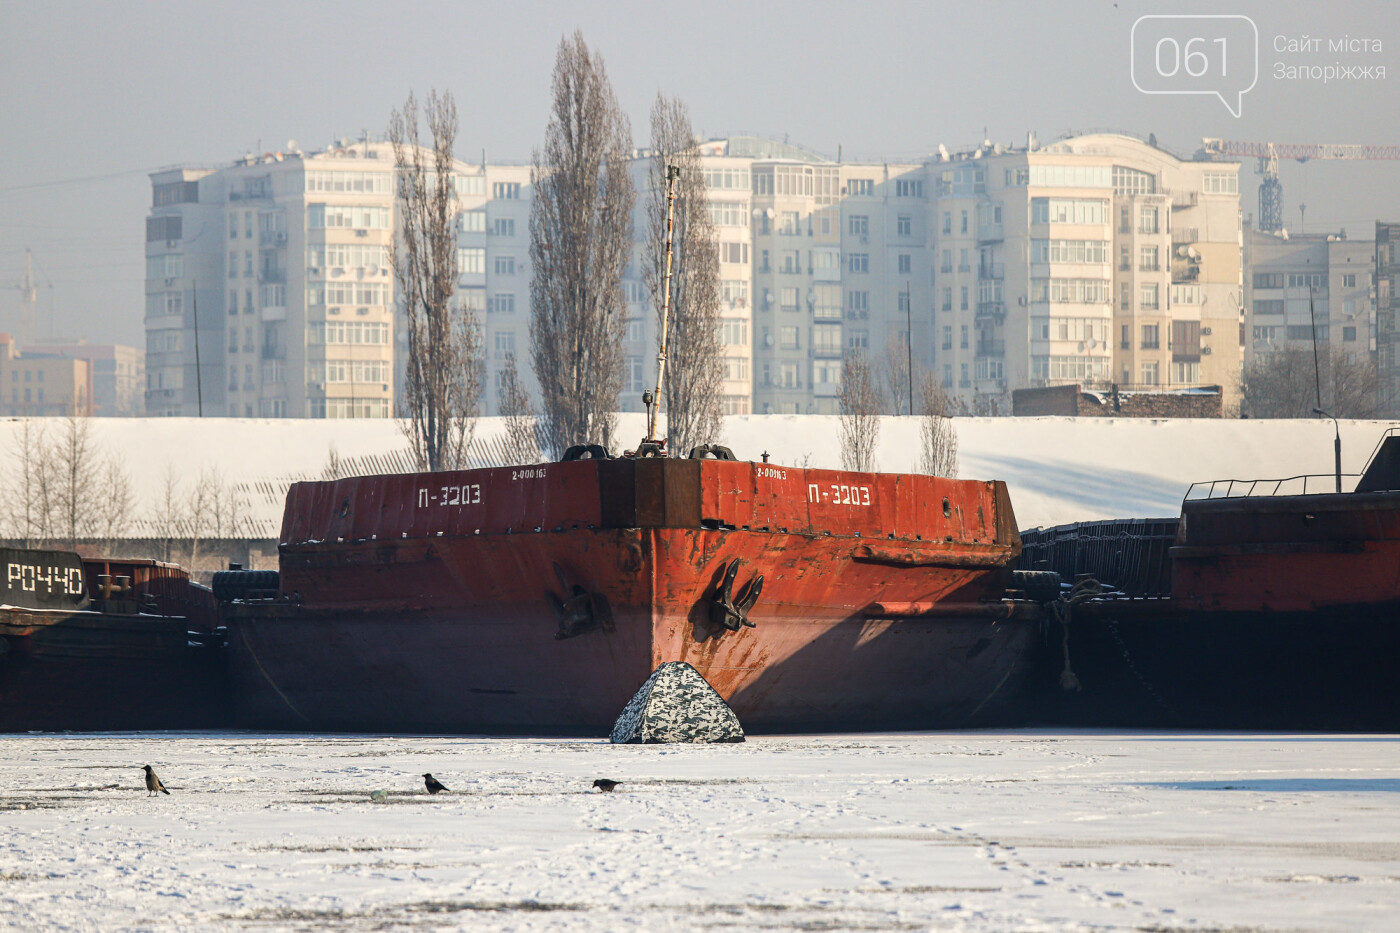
(1129, 181)
(1150, 340)
(903, 225)
(471, 260)
(1349, 280)
(501, 303)
(1147, 220)
(947, 299)
(734, 252)
(1149, 373)
(947, 336)
(963, 227)
(1147, 296)
(506, 190)
(906, 263)
(908, 188)
(787, 299)
(947, 221)
(1147, 259)
(1349, 334)
(636, 378)
(1220, 183)
(860, 187)
(787, 337)
(962, 342)
(505, 265)
(1268, 306)
(858, 224)
(858, 304)
(503, 226)
(858, 262)
(787, 376)
(962, 302)
(472, 221)
(947, 261)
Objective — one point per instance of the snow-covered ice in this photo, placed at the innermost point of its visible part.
(975, 831)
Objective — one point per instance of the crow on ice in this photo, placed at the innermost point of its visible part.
(153, 784)
(605, 785)
(433, 784)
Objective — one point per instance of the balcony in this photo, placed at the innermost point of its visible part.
(1185, 236)
(992, 233)
(274, 353)
(1181, 200)
(991, 348)
(991, 309)
(272, 276)
(272, 238)
(991, 270)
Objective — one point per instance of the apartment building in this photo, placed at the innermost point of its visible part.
(1294, 282)
(118, 374)
(1098, 259)
(42, 385)
(1387, 313)
(270, 285)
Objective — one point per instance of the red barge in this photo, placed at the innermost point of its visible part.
(1265, 605)
(537, 599)
(99, 644)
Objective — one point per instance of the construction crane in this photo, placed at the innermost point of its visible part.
(1268, 155)
(28, 288)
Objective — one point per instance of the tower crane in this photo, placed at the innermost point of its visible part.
(1268, 155)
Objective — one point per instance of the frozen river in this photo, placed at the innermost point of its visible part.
(1014, 830)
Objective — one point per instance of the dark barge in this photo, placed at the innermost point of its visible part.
(89, 645)
(1266, 604)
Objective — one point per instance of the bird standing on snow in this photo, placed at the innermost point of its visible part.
(433, 784)
(153, 784)
(605, 785)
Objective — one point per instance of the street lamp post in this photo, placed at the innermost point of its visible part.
(1336, 445)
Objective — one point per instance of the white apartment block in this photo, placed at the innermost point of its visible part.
(1097, 259)
(287, 257)
(1300, 280)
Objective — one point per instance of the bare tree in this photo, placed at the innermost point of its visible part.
(1284, 384)
(118, 502)
(580, 242)
(168, 512)
(31, 484)
(895, 365)
(860, 413)
(76, 470)
(695, 367)
(522, 441)
(938, 438)
(443, 382)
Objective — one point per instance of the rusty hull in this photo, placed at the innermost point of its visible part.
(419, 602)
(1288, 553)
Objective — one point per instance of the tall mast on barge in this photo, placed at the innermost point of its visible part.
(651, 442)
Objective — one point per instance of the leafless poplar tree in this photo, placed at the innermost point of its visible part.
(860, 413)
(443, 384)
(521, 440)
(1283, 384)
(695, 366)
(938, 438)
(168, 513)
(580, 242)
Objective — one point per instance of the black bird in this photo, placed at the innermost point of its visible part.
(605, 785)
(153, 783)
(433, 784)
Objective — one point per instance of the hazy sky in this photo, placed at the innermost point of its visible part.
(97, 94)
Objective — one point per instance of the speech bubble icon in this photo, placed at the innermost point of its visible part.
(1208, 54)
